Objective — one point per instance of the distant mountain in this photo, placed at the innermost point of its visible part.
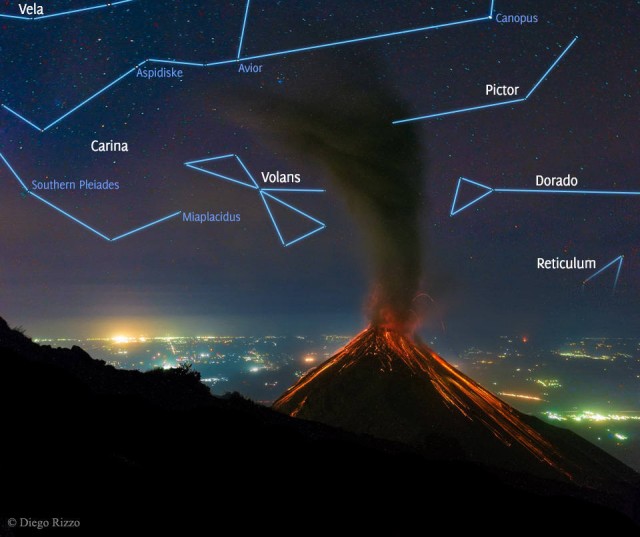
(130, 453)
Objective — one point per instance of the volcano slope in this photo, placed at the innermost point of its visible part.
(388, 385)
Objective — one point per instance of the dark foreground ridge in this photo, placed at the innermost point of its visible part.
(130, 453)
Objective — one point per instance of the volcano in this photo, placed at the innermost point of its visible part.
(390, 385)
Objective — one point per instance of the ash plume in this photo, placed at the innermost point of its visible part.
(378, 167)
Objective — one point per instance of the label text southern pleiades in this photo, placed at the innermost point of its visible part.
(84, 184)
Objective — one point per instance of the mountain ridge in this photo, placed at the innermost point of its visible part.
(129, 452)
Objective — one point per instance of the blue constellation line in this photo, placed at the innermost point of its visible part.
(77, 107)
(64, 13)
(192, 164)
(362, 39)
(244, 26)
(26, 190)
(265, 194)
(21, 117)
(492, 105)
(146, 226)
(320, 227)
(316, 190)
(240, 58)
(618, 260)
(487, 190)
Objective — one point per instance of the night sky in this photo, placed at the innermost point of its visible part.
(58, 279)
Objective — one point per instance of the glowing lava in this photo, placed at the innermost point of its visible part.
(386, 384)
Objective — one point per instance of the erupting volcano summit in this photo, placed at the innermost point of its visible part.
(388, 385)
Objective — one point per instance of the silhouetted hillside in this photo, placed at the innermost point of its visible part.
(131, 453)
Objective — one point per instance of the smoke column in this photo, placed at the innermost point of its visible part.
(347, 126)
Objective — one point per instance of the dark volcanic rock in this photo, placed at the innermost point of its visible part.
(389, 386)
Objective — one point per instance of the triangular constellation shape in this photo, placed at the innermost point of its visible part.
(227, 167)
(467, 193)
(614, 267)
(291, 224)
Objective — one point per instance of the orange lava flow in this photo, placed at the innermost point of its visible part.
(456, 389)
